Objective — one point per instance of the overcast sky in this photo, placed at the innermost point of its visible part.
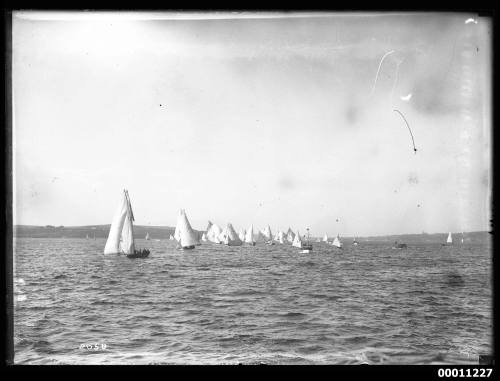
(286, 121)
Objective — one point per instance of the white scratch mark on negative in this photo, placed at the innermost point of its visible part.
(378, 70)
(470, 20)
(406, 98)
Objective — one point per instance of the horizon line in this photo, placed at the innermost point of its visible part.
(321, 235)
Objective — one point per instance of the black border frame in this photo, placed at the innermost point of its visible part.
(483, 8)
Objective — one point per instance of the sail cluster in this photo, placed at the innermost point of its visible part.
(121, 233)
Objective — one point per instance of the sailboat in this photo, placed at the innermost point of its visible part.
(269, 236)
(297, 242)
(400, 245)
(336, 242)
(229, 236)
(354, 242)
(184, 234)
(449, 241)
(147, 236)
(249, 236)
(462, 239)
(325, 238)
(213, 232)
(171, 237)
(241, 234)
(290, 235)
(121, 232)
(281, 237)
(305, 246)
(204, 237)
(276, 236)
(260, 238)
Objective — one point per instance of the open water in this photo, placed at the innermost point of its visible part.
(265, 304)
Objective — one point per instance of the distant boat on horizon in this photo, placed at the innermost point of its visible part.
(325, 238)
(449, 240)
(354, 242)
(399, 245)
(147, 236)
(298, 243)
(121, 233)
(336, 242)
(269, 235)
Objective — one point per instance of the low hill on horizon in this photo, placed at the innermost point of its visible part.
(163, 232)
(100, 231)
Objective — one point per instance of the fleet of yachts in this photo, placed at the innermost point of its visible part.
(121, 238)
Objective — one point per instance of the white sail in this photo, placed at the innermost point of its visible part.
(177, 232)
(290, 235)
(259, 237)
(297, 242)
(127, 243)
(113, 243)
(171, 237)
(147, 235)
(187, 236)
(276, 236)
(222, 235)
(267, 233)
(281, 237)
(336, 242)
(241, 234)
(249, 235)
(208, 226)
(204, 237)
(325, 238)
(213, 233)
(230, 236)
(449, 240)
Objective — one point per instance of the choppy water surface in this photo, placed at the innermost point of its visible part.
(227, 305)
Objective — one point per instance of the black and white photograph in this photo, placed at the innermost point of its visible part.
(251, 187)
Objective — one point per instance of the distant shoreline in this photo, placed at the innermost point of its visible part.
(163, 232)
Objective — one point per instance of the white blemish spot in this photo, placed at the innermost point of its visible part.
(406, 98)
(470, 20)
